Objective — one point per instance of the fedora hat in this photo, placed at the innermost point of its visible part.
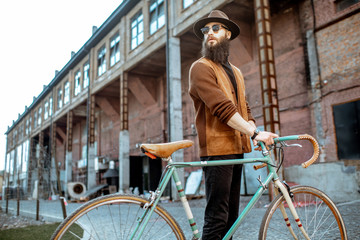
(217, 16)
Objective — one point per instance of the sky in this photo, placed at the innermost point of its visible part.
(36, 38)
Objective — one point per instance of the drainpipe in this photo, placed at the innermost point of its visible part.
(168, 78)
(167, 69)
(8, 177)
(88, 102)
(315, 79)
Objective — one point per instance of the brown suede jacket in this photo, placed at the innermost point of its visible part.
(215, 103)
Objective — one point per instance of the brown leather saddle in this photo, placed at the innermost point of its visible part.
(164, 150)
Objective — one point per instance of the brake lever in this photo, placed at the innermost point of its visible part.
(284, 144)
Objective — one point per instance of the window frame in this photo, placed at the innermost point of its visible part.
(139, 33)
(77, 83)
(30, 122)
(59, 95)
(26, 126)
(101, 61)
(46, 109)
(66, 92)
(86, 75)
(115, 56)
(156, 5)
(189, 4)
(50, 106)
(39, 116)
(35, 119)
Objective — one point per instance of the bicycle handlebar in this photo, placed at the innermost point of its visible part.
(296, 137)
(315, 147)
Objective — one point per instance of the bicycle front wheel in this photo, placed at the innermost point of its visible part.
(317, 213)
(116, 217)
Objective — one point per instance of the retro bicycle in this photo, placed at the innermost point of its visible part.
(301, 212)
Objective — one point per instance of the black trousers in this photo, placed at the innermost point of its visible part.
(222, 188)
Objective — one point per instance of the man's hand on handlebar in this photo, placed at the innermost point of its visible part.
(266, 137)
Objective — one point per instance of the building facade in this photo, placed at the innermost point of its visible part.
(128, 85)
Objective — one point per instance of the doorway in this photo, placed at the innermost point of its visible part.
(145, 173)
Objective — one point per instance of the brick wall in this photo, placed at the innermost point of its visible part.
(338, 48)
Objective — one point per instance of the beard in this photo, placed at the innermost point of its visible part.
(217, 53)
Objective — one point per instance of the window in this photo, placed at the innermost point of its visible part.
(187, 3)
(25, 156)
(137, 30)
(35, 119)
(66, 92)
(20, 132)
(50, 106)
(77, 88)
(14, 138)
(101, 61)
(46, 110)
(30, 119)
(157, 15)
(27, 127)
(39, 116)
(86, 79)
(347, 127)
(343, 4)
(59, 98)
(114, 50)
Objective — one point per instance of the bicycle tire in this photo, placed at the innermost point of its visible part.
(317, 212)
(114, 217)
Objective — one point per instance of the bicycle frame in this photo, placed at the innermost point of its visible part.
(171, 171)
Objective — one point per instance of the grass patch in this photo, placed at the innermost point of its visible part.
(30, 232)
(34, 232)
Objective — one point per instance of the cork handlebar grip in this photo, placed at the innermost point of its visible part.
(256, 167)
(316, 149)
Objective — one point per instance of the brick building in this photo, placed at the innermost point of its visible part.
(115, 92)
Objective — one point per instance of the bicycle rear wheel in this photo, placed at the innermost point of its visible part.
(317, 212)
(115, 217)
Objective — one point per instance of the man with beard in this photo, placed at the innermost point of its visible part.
(223, 121)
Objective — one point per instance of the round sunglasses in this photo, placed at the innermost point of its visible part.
(215, 28)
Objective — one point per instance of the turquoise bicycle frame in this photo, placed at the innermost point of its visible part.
(171, 171)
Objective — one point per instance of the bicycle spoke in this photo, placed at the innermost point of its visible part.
(75, 235)
(134, 222)
(112, 221)
(92, 226)
(154, 231)
(102, 219)
(83, 228)
(317, 213)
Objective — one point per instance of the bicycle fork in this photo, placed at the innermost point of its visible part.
(288, 200)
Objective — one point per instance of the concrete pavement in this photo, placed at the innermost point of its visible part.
(51, 211)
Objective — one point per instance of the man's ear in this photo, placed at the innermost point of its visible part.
(228, 35)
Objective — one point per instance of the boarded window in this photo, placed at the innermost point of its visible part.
(347, 127)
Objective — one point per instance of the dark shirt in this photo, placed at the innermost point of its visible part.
(230, 74)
